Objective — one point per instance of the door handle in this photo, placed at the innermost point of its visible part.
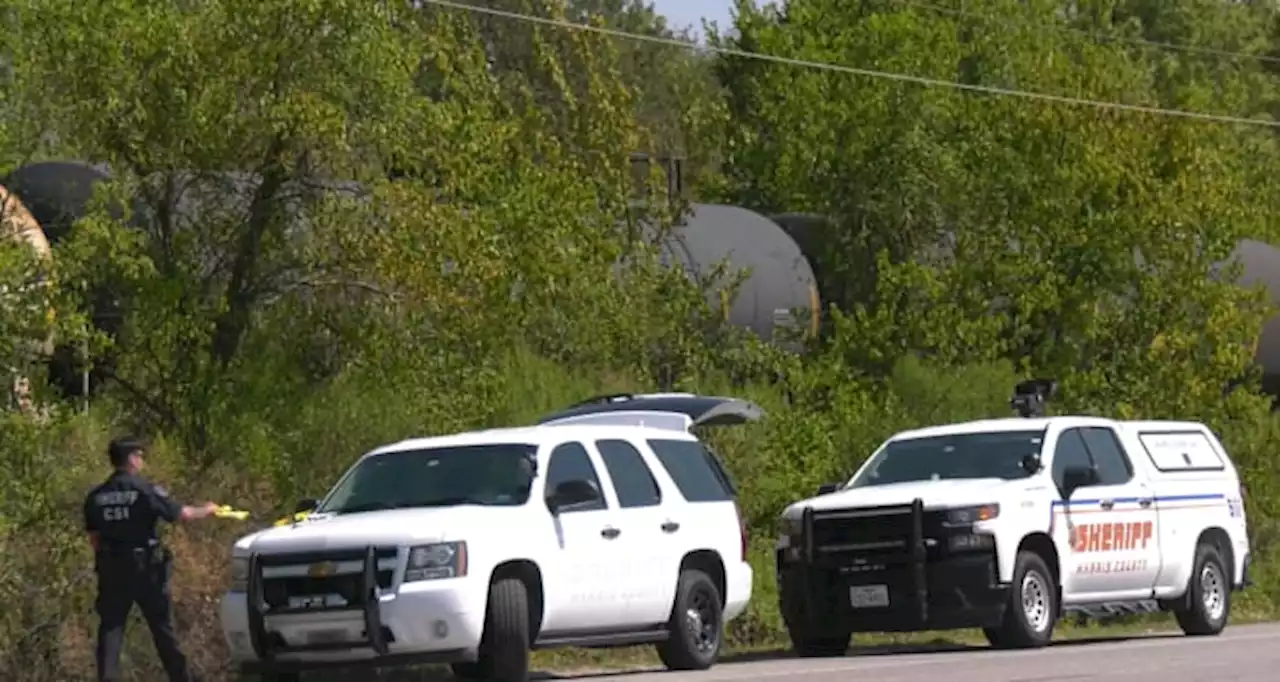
(1145, 502)
(1108, 504)
(610, 533)
(670, 527)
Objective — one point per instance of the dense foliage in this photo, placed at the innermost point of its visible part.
(354, 222)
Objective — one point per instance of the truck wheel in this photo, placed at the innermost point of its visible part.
(504, 647)
(1033, 606)
(696, 626)
(1208, 602)
(817, 646)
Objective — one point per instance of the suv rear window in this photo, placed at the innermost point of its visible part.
(696, 472)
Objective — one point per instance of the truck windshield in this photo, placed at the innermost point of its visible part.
(949, 457)
(491, 475)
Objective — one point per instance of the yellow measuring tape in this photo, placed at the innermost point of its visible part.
(292, 519)
(228, 512)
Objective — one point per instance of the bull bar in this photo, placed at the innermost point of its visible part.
(369, 603)
(915, 556)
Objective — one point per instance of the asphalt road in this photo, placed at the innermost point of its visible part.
(1246, 652)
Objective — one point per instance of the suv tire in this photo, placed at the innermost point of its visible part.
(504, 647)
(1032, 610)
(697, 624)
(1204, 611)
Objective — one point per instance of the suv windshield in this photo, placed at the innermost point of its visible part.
(495, 475)
(957, 456)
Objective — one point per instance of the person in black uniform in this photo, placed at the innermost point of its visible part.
(121, 516)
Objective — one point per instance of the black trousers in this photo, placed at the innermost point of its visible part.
(124, 579)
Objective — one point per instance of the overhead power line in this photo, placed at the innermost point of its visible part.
(856, 71)
(1096, 35)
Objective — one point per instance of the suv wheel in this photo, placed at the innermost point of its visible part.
(1205, 609)
(1033, 606)
(697, 624)
(504, 647)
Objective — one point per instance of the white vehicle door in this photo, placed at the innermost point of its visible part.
(1109, 527)
(581, 581)
(649, 548)
(701, 499)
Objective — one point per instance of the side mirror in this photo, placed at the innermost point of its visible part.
(828, 488)
(1075, 478)
(573, 492)
(1031, 464)
(306, 505)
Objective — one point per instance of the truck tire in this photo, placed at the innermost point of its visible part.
(282, 677)
(1205, 609)
(504, 647)
(818, 646)
(697, 624)
(1033, 606)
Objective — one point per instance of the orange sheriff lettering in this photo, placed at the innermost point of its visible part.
(1111, 537)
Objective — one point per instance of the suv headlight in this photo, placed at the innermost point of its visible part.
(436, 561)
(239, 574)
(967, 516)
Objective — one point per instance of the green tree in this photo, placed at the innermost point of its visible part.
(1068, 239)
(256, 138)
(675, 98)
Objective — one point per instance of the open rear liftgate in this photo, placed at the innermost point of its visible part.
(366, 599)
(888, 552)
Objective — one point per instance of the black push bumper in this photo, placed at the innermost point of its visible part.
(363, 593)
(936, 578)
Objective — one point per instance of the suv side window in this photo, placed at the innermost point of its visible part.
(1114, 467)
(632, 480)
(570, 461)
(1069, 452)
(695, 471)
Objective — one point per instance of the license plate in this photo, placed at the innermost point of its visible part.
(869, 596)
(329, 636)
(316, 601)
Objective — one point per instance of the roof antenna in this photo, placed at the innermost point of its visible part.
(1031, 396)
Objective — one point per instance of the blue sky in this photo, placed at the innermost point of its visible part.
(691, 12)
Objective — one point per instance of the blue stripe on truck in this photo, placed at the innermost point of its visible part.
(1134, 500)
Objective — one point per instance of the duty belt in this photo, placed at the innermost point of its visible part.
(151, 552)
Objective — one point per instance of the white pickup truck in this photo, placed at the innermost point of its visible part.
(607, 524)
(1007, 524)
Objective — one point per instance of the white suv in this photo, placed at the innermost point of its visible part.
(607, 524)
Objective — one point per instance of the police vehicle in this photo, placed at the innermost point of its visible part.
(606, 524)
(1008, 524)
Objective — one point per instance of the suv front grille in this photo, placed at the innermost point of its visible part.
(322, 574)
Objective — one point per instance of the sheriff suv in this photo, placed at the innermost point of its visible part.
(1008, 524)
(606, 524)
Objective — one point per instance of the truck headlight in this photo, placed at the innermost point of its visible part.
(436, 561)
(239, 574)
(967, 516)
